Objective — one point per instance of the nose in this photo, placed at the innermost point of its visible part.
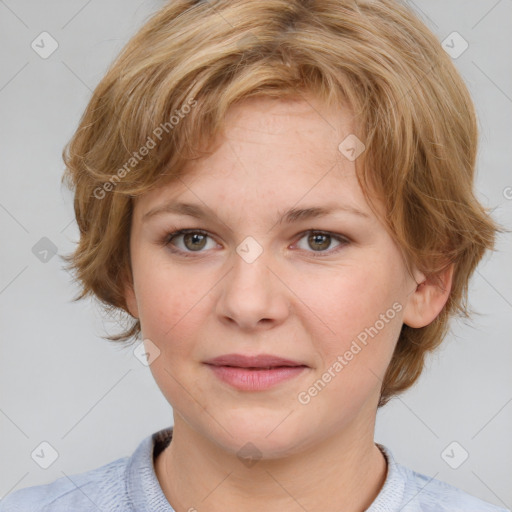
(253, 295)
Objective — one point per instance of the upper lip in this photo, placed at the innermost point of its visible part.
(258, 361)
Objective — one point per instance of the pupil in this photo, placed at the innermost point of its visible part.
(315, 238)
(194, 237)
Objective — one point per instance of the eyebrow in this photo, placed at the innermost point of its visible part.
(287, 217)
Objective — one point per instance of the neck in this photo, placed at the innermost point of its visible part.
(344, 472)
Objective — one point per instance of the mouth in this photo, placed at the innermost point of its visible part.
(261, 361)
(254, 373)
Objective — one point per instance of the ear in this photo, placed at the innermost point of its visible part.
(428, 299)
(131, 300)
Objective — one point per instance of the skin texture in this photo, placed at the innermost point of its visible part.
(318, 456)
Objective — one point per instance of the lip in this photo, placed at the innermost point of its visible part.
(254, 373)
(257, 361)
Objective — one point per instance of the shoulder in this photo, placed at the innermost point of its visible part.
(98, 489)
(410, 491)
(431, 495)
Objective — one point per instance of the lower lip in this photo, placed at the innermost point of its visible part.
(246, 379)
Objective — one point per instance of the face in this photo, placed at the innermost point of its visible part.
(328, 293)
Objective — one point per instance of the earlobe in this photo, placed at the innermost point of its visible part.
(428, 299)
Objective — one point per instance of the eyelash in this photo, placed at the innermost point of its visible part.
(168, 237)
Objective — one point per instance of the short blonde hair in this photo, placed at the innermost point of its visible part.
(165, 97)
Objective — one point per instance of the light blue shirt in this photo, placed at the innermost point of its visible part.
(130, 484)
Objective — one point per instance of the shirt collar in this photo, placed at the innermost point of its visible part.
(143, 486)
(390, 496)
(146, 494)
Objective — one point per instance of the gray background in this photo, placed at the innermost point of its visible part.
(93, 401)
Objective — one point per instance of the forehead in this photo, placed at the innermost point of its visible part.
(288, 121)
(271, 153)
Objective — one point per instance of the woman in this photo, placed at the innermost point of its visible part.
(280, 195)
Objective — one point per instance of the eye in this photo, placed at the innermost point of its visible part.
(185, 242)
(194, 240)
(319, 241)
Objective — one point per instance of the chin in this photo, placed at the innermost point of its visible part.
(267, 437)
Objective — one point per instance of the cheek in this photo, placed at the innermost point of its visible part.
(360, 304)
(168, 298)
(170, 306)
